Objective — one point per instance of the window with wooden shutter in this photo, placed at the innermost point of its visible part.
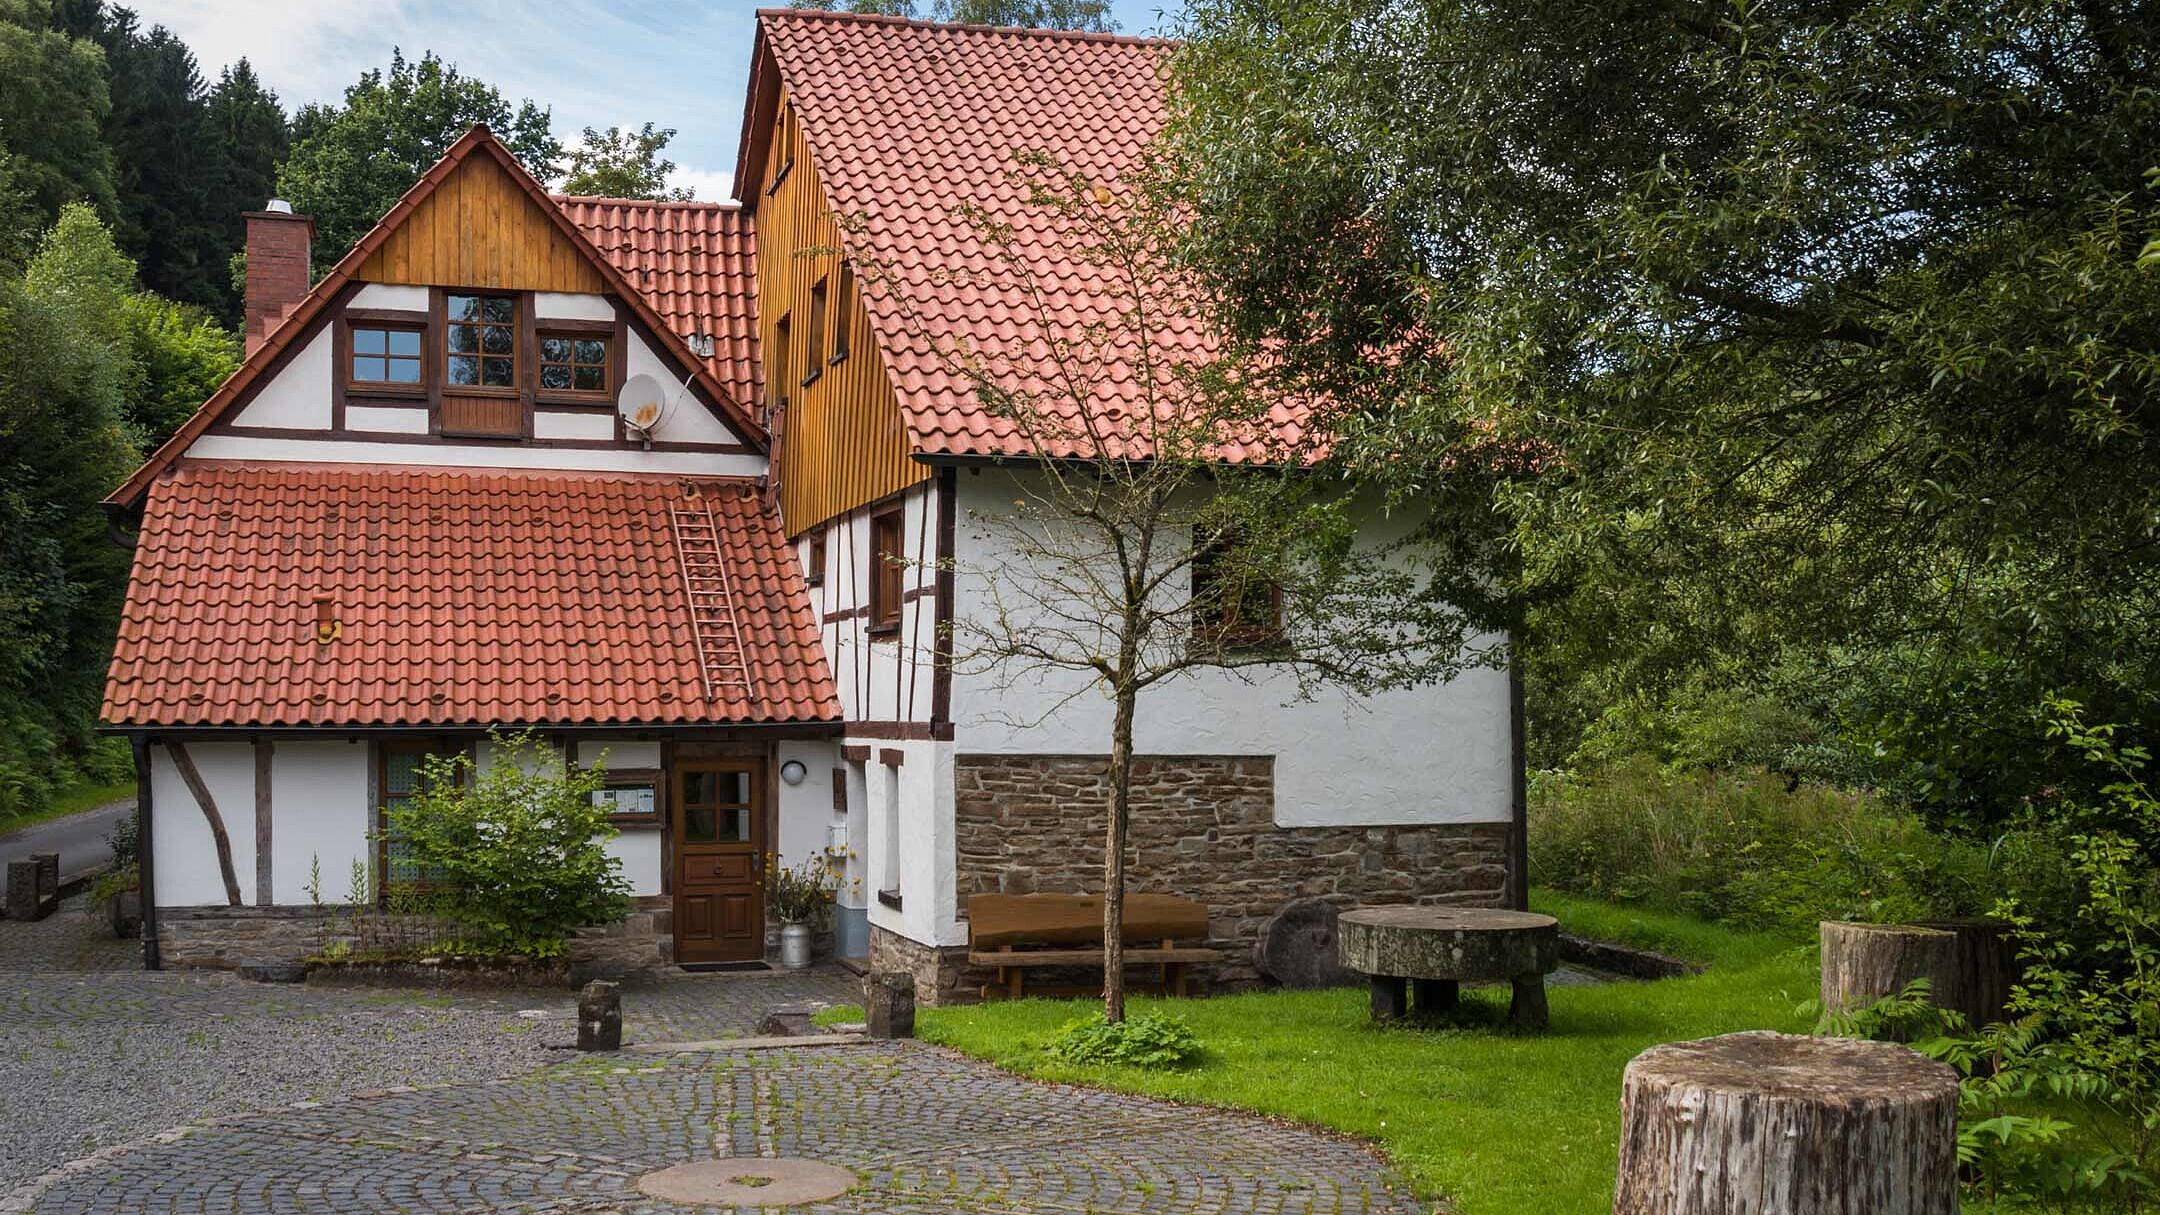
(886, 569)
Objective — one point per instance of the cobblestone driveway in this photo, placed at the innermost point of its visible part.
(303, 1100)
(926, 1130)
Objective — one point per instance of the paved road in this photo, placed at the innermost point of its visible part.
(78, 838)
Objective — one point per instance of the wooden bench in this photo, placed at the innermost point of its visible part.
(1020, 932)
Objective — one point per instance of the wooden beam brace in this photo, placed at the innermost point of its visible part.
(186, 764)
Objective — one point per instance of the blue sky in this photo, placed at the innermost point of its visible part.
(672, 62)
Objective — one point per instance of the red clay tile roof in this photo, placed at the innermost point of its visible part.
(694, 262)
(911, 122)
(464, 597)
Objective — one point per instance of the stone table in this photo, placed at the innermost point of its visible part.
(1432, 951)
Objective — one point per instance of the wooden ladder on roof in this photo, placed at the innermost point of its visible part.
(712, 600)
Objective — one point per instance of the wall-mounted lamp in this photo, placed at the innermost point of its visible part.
(793, 772)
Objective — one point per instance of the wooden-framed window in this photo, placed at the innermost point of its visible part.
(386, 356)
(887, 557)
(814, 358)
(781, 380)
(1235, 607)
(575, 364)
(480, 343)
(814, 565)
(401, 770)
(843, 313)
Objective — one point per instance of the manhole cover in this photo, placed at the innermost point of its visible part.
(748, 1181)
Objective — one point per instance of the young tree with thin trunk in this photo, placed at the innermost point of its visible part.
(1177, 515)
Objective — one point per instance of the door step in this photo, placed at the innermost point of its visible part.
(721, 968)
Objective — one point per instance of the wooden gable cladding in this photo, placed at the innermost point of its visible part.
(481, 229)
(842, 443)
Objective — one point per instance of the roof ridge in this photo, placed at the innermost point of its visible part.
(717, 204)
(1023, 31)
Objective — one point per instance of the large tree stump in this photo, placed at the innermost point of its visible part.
(1775, 1124)
(1967, 964)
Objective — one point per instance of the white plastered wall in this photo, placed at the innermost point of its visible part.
(1436, 754)
(298, 396)
(805, 810)
(319, 814)
(887, 678)
(919, 791)
(183, 851)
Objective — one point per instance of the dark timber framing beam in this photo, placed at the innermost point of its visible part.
(264, 750)
(145, 854)
(186, 764)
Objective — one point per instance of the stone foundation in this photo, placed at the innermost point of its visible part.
(942, 976)
(226, 938)
(1203, 827)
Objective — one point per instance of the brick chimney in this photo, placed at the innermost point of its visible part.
(278, 245)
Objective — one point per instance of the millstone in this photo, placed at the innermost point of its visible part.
(1297, 947)
(748, 1181)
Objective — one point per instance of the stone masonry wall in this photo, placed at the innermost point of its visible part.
(225, 938)
(1203, 827)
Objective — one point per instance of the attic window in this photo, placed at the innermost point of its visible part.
(573, 363)
(480, 341)
(814, 361)
(385, 355)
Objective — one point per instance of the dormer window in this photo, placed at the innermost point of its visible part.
(480, 341)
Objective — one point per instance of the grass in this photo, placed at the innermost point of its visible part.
(1493, 1121)
(74, 799)
(838, 1014)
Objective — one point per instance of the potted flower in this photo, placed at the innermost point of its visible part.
(798, 896)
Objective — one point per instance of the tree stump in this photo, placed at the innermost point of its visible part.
(599, 1009)
(1967, 964)
(1775, 1124)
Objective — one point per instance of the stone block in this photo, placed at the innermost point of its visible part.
(889, 1004)
(599, 1017)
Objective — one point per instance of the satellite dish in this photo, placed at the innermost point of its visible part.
(643, 404)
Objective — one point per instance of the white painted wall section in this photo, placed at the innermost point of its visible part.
(1438, 754)
(298, 396)
(379, 419)
(319, 813)
(184, 859)
(568, 306)
(402, 297)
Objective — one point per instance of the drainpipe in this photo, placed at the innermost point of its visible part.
(144, 853)
(1519, 835)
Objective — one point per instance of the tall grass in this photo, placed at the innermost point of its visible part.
(1748, 849)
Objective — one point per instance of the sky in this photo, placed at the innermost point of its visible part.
(675, 63)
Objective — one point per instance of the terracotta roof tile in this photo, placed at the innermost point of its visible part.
(695, 263)
(464, 597)
(911, 124)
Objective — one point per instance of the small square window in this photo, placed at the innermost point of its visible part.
(573, 364)
(383, 355)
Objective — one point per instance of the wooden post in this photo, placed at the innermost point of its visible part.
(1775, 1124)
(264, 748)
(1967, 965)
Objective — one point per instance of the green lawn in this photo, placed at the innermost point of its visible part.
(74, 799)
(1496, 1122)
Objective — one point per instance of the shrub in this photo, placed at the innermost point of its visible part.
(1752, 849)
(516, 857)
(1145, 1040)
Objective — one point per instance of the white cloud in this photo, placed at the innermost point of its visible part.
(712, 185)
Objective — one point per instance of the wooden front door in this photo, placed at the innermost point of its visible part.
(719, 862)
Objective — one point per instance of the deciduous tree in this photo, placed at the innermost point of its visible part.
(621, 163)
(351, 162)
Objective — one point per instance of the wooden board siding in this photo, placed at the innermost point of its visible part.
(478, 229)
(842, 442)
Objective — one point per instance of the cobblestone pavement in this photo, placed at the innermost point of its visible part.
(926, 1130)
(70, 939)
(95, 1051)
